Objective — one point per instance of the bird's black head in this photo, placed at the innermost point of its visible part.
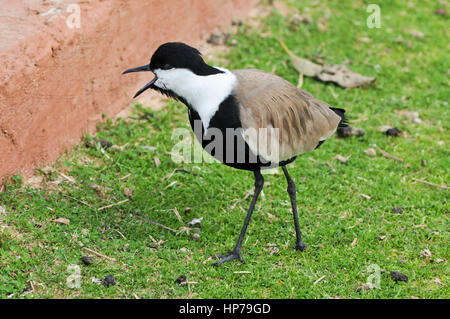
(169, 63)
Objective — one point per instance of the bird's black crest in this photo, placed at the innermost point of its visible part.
(180, 55)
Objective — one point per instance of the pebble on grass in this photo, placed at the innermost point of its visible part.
(348, 131)
(398, 276)
(393, 131)
(109, 281)
(181, 280)
(87, 260)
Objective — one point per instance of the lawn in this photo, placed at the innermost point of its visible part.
(369, 213)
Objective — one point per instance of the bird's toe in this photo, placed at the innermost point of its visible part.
(228, 257)
(300, 246)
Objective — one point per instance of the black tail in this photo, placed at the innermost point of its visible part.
(341, 113)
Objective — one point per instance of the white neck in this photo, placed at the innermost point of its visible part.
(203, 93)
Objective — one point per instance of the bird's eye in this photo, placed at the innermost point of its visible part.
(167, 67)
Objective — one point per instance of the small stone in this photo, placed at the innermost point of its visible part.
(397, 210)
(109, 281)
(398, 276)
(366, 286)
(425, 253)
(371, 152)
(344, 131)
(105, 144)
(440, 12)
(437, 261)
(348, 131)
(437, 281)
(88, 260)
(195, 221)
(196, 236)
(181, 280)
(393, 131)
(127, 192)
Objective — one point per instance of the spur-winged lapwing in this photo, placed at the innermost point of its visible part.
(247, 119)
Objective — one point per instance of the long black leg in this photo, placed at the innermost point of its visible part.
(300, 245)
(236, 253)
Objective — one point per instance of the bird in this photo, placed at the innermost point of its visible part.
(271, 121)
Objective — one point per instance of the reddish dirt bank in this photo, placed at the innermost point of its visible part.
(56, 80)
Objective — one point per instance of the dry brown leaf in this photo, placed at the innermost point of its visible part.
(341, 158)
(322, 25)
(425, 253)
(297, 19)
(417, 34)
(127, 192)
(339, 74)
(366, 286)
(304, 66)
(437, 281)
(157, 161)
(62, 220)
(343, 76)
(412, 115)
(371, 152)
(175, 210)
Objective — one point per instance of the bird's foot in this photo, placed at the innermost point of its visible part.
(235, 254)
(300, 246)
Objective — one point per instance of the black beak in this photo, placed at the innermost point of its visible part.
(142, 69)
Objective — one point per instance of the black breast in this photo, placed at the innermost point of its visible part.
(223, 139)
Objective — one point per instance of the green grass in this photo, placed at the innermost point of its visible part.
(411, 75)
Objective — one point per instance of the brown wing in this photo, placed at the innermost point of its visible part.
(299, 119)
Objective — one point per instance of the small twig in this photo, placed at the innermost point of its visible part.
(32, 286)
(300, 80)
(318, 280)
(431, 184)
(365, 196)
(93, 252)
(68, 178)
(153, 239)
(175, 210)
(154, 223)
(386, 154)
(115, 204)
(124, 177)
(170, 185)
(123, 236)
(77, 200)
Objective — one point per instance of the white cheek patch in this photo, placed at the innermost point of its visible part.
(203, 93)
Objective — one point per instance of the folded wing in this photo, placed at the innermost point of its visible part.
(288, 121)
